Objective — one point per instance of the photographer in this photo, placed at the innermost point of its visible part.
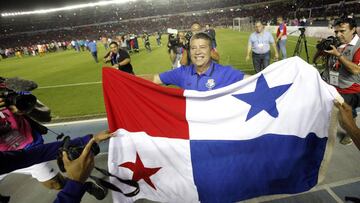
(196, 28)
(345, 73)
(78, 170)
(119, 58)
(176, 45)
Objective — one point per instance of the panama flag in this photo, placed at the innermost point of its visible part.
(267, 134)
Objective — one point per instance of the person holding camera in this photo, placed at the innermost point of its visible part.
(259, 44)
(345, 71)
(186, 59)
(78, 170)
(20, 131)
(176, 45)
(119, 58)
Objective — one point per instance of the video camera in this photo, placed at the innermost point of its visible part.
(325, 43)
(16, 92)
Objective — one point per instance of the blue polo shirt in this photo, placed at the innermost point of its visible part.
(260, 42)
(215, 77)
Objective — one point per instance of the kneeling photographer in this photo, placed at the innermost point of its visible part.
(344, 70)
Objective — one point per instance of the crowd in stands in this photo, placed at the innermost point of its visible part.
(143, 16)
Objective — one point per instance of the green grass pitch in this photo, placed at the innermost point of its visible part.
(70, 67)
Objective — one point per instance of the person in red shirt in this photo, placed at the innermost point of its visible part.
(345, 73)
(281, 36)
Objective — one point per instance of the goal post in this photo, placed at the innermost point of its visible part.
(242, 24)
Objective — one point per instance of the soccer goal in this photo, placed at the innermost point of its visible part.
(242, 24)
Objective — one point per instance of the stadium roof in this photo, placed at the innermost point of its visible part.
(26, 5)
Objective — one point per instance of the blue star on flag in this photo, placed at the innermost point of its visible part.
(263, 98)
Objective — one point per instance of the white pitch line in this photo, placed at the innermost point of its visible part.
(76, 122)
(70, 85)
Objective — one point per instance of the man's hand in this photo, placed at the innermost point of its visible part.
(102, 136)
(2, 104)
(80, 168)
(333, 51)
(247, 58)
(12, 108)
(345, 116)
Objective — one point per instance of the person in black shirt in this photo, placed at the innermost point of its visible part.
(119, 58)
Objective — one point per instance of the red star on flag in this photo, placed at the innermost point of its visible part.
(140, 171)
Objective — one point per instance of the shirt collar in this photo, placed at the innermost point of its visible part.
(354, 40)
(208, 72)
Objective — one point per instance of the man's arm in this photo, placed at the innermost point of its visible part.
(155, 78)
(215, 55)
(13, 160)
(184, 58)
(347, 122)
(349, 65)
(248, 51)
(275, 51)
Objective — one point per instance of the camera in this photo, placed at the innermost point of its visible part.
(173, 41)
(188, 36)
(325, 43)
(73, 152)
(24, 101)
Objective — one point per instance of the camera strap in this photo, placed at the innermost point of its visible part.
(113, 187)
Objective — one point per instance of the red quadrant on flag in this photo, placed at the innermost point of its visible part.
(143, 113)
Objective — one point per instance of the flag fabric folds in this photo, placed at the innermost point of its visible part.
(264, 135)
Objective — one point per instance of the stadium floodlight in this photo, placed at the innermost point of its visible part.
(78, 6)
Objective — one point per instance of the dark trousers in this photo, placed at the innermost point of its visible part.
(260, 61)
(94, 54)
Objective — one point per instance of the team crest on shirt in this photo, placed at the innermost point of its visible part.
(210, 84)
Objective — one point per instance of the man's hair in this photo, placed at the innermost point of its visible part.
(113, 42)
(202, 35)
(350, 21)
(195, 23)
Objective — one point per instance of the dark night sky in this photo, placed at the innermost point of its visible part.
(28, 5)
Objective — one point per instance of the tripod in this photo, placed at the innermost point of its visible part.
(298, 47)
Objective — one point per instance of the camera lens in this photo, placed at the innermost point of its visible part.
(25, 103)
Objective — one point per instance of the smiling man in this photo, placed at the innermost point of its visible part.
(203, 74)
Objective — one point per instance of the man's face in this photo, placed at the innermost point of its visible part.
(195, 28)
(200, 52)
(279, 20)
(181, 36)
(259, 27)
(113, 48)
(344, 33)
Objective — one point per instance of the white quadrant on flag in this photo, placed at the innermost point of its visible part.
(162, 167)
(278, 100)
